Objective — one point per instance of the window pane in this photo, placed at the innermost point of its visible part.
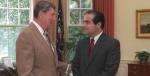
(13, 16)
(74, 17)
(83, 11)
(13, 3)
(8, 36)
(24, 17)
(86, 4)
(24, 3)
(3, 16)
(3, 3)
(74, 3)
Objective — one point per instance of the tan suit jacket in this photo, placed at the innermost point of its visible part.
(34, 57)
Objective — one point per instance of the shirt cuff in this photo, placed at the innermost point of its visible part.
(67, 69)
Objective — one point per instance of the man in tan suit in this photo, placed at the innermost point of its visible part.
(34, 55)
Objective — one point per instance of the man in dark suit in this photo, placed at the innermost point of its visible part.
(99, 54)
(35, 54)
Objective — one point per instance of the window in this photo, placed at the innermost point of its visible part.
(77, 10)
(14, 16)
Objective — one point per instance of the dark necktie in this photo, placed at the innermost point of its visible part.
(91, 46)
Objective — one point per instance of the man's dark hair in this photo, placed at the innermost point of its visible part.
(99, 17)
(42, 6)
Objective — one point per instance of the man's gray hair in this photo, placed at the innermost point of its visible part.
(42, 6)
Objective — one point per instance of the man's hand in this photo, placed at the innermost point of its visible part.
(69, 68)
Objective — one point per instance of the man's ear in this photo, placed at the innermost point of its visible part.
(41, 14)
(99, 24)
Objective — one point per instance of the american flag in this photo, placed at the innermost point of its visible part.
(60, 32)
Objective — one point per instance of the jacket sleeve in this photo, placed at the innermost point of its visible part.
(24, 55)
(62, 67)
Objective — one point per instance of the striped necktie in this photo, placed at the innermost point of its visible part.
(48, 40)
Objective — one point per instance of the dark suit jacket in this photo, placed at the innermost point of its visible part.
(34, 57)
(103, 61)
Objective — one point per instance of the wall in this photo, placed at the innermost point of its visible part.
(125, 31)
(125, 27)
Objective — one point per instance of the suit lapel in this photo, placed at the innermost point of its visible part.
(55, 51)
(96, 48)
(42, 40)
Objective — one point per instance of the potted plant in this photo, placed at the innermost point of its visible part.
(143, 56)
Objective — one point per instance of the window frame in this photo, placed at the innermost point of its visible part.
(30, 15)
(68, 16)
(30, 18)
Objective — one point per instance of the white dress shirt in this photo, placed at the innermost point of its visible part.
(96, 37)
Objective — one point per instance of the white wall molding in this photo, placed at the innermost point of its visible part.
(126, 61)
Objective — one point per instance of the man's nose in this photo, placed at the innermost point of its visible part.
(54, 18)
(83, 25)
